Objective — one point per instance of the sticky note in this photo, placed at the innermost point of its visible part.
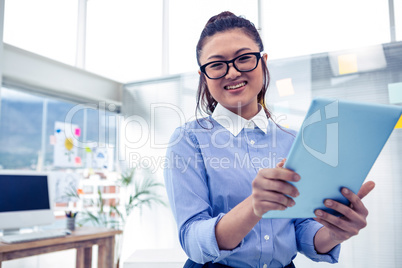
(78, 132)
(285, 87)
(88, 150)
(399, 123)
(395, 92)
(78, 160)
(52, 139)
(69, 144)
(347, 63)
(58, 130)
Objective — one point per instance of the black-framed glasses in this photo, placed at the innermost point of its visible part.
(243, 63)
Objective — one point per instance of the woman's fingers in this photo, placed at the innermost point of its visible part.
(280, 164)
(342, 228)
(366, 189)
(271, 201)
(351, 218)
(277, 186)
(356, 208)
(277, 181)
(274, 197)
(354, 216)
(279, 173)
(356, 204)
(356, 213)
(272, 190)
(338, 234)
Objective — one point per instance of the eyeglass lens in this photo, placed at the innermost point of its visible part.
(220, 68)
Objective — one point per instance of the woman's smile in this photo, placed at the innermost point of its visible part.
(236, 86)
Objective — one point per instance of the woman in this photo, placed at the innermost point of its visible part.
(225, 170)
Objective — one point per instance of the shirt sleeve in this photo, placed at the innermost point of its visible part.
(305, 232)
(187, 189)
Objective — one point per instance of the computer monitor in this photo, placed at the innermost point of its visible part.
(25, 200)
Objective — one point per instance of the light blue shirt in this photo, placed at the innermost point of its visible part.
(210, 167)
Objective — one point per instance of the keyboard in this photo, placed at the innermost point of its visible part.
(27, 237)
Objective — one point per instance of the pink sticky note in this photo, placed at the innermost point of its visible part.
(78, 132)
(78, 160)
(52, 139)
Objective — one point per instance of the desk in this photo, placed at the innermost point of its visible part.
(81, 239)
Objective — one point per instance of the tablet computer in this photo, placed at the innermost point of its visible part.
(336, 146)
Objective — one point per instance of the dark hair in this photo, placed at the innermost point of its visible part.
(222, 22)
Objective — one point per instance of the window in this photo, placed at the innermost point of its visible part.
(20, 130)
(313, 26)
(124, 39)
(45, 27)
(29, 127)
(398, 19)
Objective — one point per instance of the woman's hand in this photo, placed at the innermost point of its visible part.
(338, 229)
(272, 190)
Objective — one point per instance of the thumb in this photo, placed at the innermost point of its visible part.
(366, 189)
(280, 164)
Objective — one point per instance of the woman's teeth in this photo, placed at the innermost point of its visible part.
(236, 86)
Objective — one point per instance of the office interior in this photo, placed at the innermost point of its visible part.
(123, 75)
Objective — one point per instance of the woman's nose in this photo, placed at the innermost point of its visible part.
(232, 72)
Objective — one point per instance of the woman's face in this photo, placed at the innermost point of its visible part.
(237, 91)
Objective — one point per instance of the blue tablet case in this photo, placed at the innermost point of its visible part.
(337, 145)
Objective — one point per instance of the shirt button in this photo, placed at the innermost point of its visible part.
(252, 142)
(266, 237)
(265, 265)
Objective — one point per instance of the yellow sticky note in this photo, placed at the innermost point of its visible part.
(399, 124)
(285, 87)
(347, 64)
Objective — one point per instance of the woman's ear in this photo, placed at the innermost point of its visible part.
(265, 56)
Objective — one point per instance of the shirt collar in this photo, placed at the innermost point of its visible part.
(235, 123)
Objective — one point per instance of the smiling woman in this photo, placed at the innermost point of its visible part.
(232, 43)
(239, 90)
(219, 210)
